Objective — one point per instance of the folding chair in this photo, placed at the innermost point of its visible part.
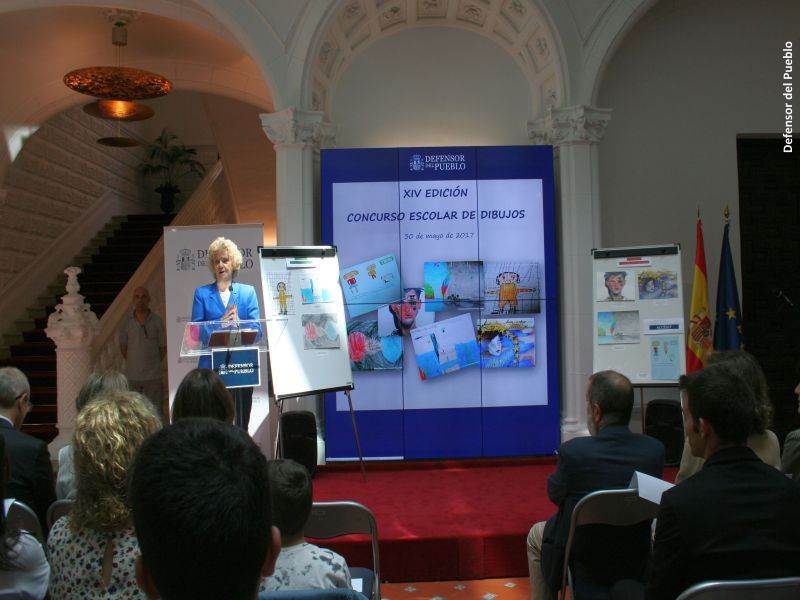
(787, 588)
(337, 594)
(58, 509)
(332, 519)
(21, 516)
(621, 508)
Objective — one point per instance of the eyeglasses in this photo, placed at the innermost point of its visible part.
(27, 398)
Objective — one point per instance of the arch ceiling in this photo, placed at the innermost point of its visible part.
(37, 47)
(518, 26)
(300, 48)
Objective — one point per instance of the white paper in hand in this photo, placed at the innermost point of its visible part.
(649, 487)
(357, 584)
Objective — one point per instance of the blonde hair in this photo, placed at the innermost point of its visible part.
(109, 430)
(222, 244)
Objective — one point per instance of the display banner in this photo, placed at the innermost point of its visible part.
(638, 313)
(185, 269)
(449, 274)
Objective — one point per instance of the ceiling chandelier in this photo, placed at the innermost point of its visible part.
(117, 88)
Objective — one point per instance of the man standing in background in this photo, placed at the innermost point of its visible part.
(142, 342)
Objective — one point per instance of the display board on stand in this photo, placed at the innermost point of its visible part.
(306, 329)
(638, 320)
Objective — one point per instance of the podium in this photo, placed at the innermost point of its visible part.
(234, 348)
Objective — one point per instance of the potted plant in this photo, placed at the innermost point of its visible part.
(169, 160)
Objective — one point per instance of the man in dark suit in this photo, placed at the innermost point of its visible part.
(605, 460)
(31, 474)
(737, 518)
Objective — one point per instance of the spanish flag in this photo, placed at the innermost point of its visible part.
(698, 342)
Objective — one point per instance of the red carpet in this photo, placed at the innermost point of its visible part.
(444, 520)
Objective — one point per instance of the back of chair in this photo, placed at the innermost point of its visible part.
(332, 519)
(751, 589)
(58, 509)
(664, 422)
(606, 507)
(335, 594)
(21, 516)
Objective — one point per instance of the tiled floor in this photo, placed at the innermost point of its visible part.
(509, 588)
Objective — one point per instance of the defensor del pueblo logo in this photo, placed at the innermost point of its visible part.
(437, 162)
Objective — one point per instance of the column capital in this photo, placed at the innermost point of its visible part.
(73, 325)
(298, 128)
(571, 125)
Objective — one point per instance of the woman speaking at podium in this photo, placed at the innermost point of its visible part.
(227, 301)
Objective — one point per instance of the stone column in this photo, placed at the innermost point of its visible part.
(575, 133)
(73, 327)
(298, 136)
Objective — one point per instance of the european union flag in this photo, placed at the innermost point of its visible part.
(728, 325)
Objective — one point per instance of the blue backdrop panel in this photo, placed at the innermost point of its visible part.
(443, 433)
(450, 432)
(529, 430)
(381, 432)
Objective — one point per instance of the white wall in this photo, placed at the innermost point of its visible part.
(184, 114)
(690, 76)
(431, 86)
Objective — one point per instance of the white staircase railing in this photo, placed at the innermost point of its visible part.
(209, 204)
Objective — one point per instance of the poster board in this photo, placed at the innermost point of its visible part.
(449, 222)
(306, 329)
(639, 328)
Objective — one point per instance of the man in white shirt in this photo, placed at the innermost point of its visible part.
(142, 342)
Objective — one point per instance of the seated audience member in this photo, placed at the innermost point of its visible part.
(24, 571)
(95, 384)
(761, 440)
(93, 550)
(737, 518)
(199, 492)
(605, 460)
(31, 475)
(790, 460)
(202, 394)
(300, 565)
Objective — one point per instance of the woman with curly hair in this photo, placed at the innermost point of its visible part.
(95, 384)
(93, 550)
(761, 440)
(229, 302)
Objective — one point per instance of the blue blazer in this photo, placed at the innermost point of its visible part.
(208, 306)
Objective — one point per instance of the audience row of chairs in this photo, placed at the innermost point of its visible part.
(607, 507)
